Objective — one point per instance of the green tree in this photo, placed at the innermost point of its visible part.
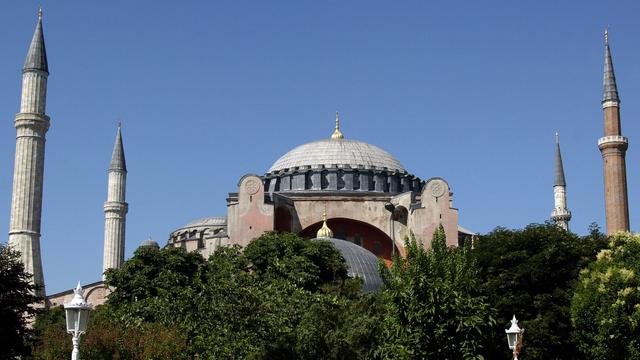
(434, 309)
(282, 297)
(605, 308)
(149, 281)
(105, 339)
(531, 273)
(286, 256)
(16, 305)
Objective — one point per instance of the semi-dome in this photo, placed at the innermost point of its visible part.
(341, 152)
(361, 263)
(204, 228)
(208, 221)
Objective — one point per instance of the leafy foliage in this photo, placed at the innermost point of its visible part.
(105, 339)
(434, 307)
(605, 308)
(531, 273)
(283, 297)
(16, 299)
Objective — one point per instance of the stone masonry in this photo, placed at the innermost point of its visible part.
(31, 126)
(115, 208)
(613, 147)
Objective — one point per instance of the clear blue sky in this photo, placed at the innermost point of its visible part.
(208, 91)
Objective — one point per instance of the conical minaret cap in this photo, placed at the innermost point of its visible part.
(37, 55)
(117, 158)
(559, 173)
(610, 89)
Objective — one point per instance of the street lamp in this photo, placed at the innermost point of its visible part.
(514, 337)
(77, 312)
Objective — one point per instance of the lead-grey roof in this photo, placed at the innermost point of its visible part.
(328, 152)
(559, 173)
(610, 88)
(361, 263)
(37, 55)
(150, 243)
(208, 221)
(117, 157)
(466, 231)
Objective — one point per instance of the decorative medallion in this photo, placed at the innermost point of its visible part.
(437, 188)
(251, 186)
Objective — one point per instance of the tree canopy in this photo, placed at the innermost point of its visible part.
(531, 273)
(16, 305)
(434, 308)
(605, 308)
(285, 297)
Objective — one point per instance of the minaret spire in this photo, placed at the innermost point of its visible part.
(37, 54)
(613, 147)
(117, 157)
(337, 134)
(560, 214)
(559, 173)
(610, 88)
(115, 208)
(31, 125)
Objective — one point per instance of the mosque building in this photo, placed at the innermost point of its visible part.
(369, 197)
(355, 194)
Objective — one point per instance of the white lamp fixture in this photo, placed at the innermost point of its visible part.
(514, 337)
(77, 312)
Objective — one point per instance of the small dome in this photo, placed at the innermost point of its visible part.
(341, 152)
(361, 263)
(150, 243)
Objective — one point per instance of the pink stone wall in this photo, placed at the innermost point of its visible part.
(250, 217)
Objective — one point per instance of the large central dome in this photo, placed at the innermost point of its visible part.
(339, 165)
(331, 152)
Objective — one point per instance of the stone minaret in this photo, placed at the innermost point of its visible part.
(31, 126)
(115, 208)
(560, 214)
(613, 147)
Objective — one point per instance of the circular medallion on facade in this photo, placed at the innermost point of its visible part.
(251, 186)
(437, 188)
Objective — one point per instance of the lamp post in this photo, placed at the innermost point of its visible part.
(77, 312)
(514, 337)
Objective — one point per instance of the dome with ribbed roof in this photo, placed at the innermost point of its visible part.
(340, 152)
(361, 263)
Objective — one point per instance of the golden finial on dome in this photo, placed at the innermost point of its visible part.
(337, 134)
(324, 232)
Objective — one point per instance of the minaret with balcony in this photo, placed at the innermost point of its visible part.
(115, 208)
(31, 125)
(560, 214)
(613, 147)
